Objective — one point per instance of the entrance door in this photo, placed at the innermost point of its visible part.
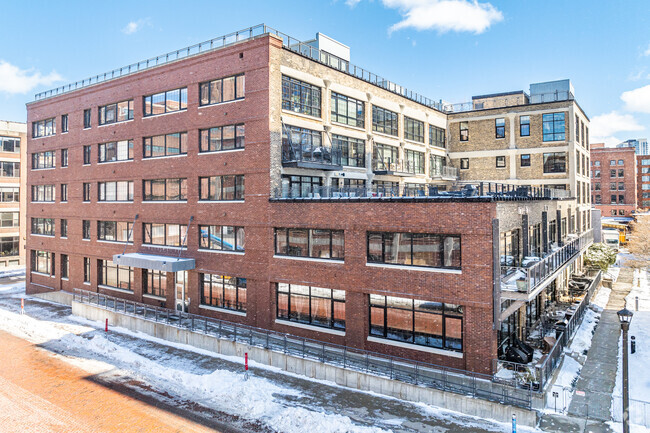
(182, 300)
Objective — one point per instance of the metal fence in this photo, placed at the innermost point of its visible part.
(508, 101)
(639, 411)
(405, 370)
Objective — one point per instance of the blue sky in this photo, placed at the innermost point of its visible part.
(443, 49)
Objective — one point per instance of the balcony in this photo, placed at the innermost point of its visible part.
(311, 157)
(524, 282)
(389, 167)
(445, 173)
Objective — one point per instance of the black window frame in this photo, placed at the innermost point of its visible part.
(500, 130)
(63, 228)
(44, 128)
(500, 161)
(411, 236)
(524, 126)
(238, 283)
(464, 163)
(238, 184)
(42, 226)
(85, 230)
(64, 157)
(149, 278)
(206, 136)
(44, 160)
(112, 229)
(284, 232)
(87, 153)
(148, 186)
(49, 260)
(209, 232)
(336, 296)
(463, 128)
(148, 145)
(437, 137)
(239, 93)
(103, 150)
(147, 235)
(64, 123)
(554, 128)
(385, 121)
(64, 192)
(87, 118)
(43, 193)
(558, 156)
(413, 129)
(104, 109)
(102, 186)
(65, 266)
(104, 268)
(301, 97)
(351, 150)
(414, 161)
(337, 100)
(182, 91)
(524, 160)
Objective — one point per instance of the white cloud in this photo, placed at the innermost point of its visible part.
(647, 51)
(134, 26)
(16, 80)
(637, 99)
(604, 126)
(445, 15)
(352, 3)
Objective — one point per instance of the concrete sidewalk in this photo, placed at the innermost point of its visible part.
(598, 375)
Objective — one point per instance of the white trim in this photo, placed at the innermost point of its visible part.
(236, 253)
(212, 152)
(43, 202)
(220, 201)
(85, 165)
(310, 259)
(85, 240)
(65, 279)
(116, 289)
(221, 103)
(33, 234)
(416, 347)
(222, 310)
(164, 201)
(415, 268)
(114, 162)
(148, 158)
(63, 237)
(90, 127)
(310, 327)
(112, 201)
(44, 136)
(40, 169)
(417, 143)
(343, 125)
(157, 298)
(87, 283)
(113, 242)
(152, 116)
(304, 116)
(10, 209)
(116, 123)
(384, 135)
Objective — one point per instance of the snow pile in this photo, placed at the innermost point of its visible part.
(12, 288)
(582, 338)
(601, 298)
(612, 273)
(640, 289)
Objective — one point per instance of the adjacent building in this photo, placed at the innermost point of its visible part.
(270, 182)
(614, 180)
(13, 141)
(640, 145)
(643, 181)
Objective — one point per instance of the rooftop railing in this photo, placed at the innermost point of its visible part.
(538, 272)
(507, 101)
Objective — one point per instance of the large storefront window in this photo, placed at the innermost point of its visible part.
(115, 276)
(311, 305)
(414, 249)
(424, 323)
(314, 243)
(223, 291)
(154, 282)
(43, 262)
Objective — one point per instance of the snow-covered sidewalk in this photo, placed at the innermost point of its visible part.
(276, 400)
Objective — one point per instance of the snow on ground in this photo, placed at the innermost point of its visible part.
(612, 273)
(640, 289)
(223, 389)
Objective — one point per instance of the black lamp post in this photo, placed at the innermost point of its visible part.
(625, 317)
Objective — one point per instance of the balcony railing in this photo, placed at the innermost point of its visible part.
(526, 279)
(507, 101)
(307, 156)
(445, 172)
(400, 168)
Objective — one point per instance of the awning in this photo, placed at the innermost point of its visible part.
(154, 262)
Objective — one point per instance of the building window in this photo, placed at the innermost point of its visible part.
(40, 226)
(64, 192)
(116, 231)
(42, 262)
(64, 228)
(613, 212)
(44, 128)
(500, 127)
(115, 191)
(413, 130)
(301, 186)
(164, 190)
(154, 282)
(315, 306)
(222, 90)
(525, 160)
(220, 188)
(414, 249)
(436, 163)
(222, 138)
(423, 323)
(115, 276)
(222, 238)
(42, 160)
(553, 127)
(300, 144)
(165, 102)
(597, 186)
(86, 192)
(612, 162)
(621, 162)
(43, 193)
(10, 144)
(87, 270)
(555, 162)
(87, 123)
(577, 129)
(597, 199)
(352, 150)
(501, 161)
(165, 145)
(301, 97)
(643, 179)
(9, 169)
(115, 151)
(621, 186)
(621, 212)
(65, 266)
(117, 112)
(64, 123)
(384, 121)
(314, 243)
(612, 173)
(464, 131)
(612, 186)
(621, 198)
(436, 136)
(223, 291)
(645, 162)
(9, 195)
(386, 158)
(9, 219)
(170, 235)
(348, 111)
(596, 173)
(524, 126)
(64, 157)
(464, 163)
(85, 229)
(87, 154)
(414, 161)
(621, 172)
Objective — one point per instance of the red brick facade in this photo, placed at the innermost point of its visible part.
(643, 181)
(613, 180)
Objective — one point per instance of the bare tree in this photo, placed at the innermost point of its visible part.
(639, 244)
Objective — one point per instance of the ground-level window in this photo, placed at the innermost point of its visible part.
(154, 282)
(43, 262)
(65, 266)
(311, 305)
(223, 291)
(424, 323)
(115, 276)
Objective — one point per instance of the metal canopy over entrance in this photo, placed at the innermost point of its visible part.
(157, 263)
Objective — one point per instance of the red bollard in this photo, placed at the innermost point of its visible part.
(246, 361)
(106, 327)
(22, 305)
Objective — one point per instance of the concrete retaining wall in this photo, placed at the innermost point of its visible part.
(60, 297)
(313, 369)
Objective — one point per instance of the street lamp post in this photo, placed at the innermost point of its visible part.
(625, 317)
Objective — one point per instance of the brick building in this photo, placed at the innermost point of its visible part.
(614, 180)
(13, 148)
(272, 183)
(643, 181)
